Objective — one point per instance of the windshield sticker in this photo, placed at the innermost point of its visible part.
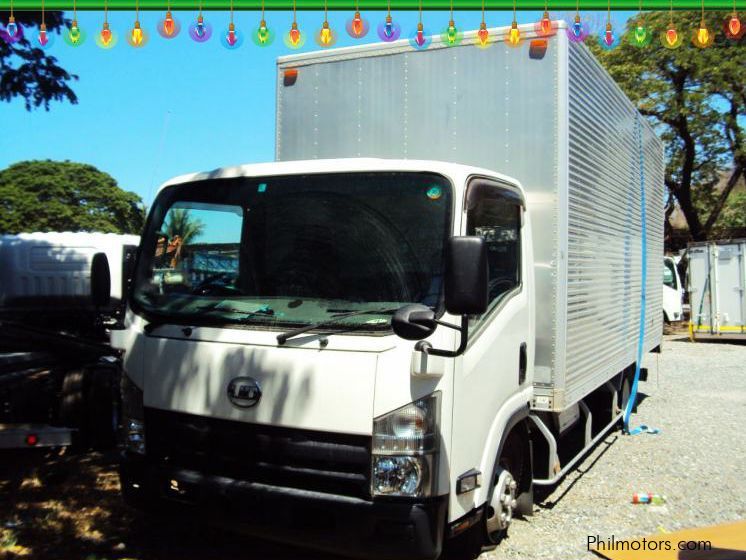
(262, 187)
(434, 192)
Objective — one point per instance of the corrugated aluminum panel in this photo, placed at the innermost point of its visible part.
(604, 254)
(499, 109)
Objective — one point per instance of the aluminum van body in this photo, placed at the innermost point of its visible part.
(559, 125)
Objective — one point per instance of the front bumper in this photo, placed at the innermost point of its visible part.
(344, 525)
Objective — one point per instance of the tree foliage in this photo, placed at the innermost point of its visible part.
(28, 72)
(734, 213)
(697, 100)
(180, 223)
(65, 196)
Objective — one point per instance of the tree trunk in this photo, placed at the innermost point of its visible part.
(692, 219)
(722, 199)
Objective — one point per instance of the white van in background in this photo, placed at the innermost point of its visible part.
(673, 292)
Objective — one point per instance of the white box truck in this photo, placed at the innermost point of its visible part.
(55, 388)
(377, 345)
(717, 289)
(45, 276)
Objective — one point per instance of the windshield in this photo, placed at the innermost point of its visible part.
(669, 274)
(295, 250)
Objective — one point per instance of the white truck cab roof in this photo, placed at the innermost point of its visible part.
(457, 172)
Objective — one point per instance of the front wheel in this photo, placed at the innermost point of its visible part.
(514, 470)
(502, 506)
(512, 482)
(498, 516)
(466, 546)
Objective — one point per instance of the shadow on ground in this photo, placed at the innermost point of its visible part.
(67, 506)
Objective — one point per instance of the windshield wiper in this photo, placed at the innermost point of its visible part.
(264, 311)
(284, 337)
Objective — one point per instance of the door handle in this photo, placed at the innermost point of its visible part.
(522, 364)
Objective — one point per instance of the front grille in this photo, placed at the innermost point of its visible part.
(308, 460)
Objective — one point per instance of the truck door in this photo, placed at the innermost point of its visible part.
(496, 365)
(672, 306)
(730, 287)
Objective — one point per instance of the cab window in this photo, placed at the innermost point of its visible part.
(669, 274)
(494, 213)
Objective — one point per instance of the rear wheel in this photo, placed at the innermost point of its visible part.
(624, 393)
(72, 405)
(102, 410)
(89, 405)
(623, 398)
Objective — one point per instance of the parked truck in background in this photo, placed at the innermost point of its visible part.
(381, 356)
(717, 289)
(45, 276)
(58, 377)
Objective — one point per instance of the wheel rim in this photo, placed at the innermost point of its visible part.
(502, 504)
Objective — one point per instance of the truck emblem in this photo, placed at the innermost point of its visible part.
(244, 392)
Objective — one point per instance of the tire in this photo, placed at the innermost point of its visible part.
(89, 405)
(102, 407)
(466, 546)
(624, 393)
(525, 507)
(71, 412)
(515, 462)
(513, 459)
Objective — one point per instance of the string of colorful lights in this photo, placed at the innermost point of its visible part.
(370, 5)
(357, 27)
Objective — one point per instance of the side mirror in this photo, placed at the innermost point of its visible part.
(413, 322)
(100, 280)
(466, 293)
(467, 276)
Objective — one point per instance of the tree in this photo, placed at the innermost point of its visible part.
(180, 223)
(29, 73)
(65, 196)
(696, 98)
(734, 213)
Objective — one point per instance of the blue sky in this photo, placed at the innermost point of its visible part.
(176, 106)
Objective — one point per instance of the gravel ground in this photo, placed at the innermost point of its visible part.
(696, 396)
(68, 506)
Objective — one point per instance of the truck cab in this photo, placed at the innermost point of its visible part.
(334, 353)
(673, 292)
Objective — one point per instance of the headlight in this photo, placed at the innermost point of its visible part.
(132, 416)
(405, 448)
(411, 429)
